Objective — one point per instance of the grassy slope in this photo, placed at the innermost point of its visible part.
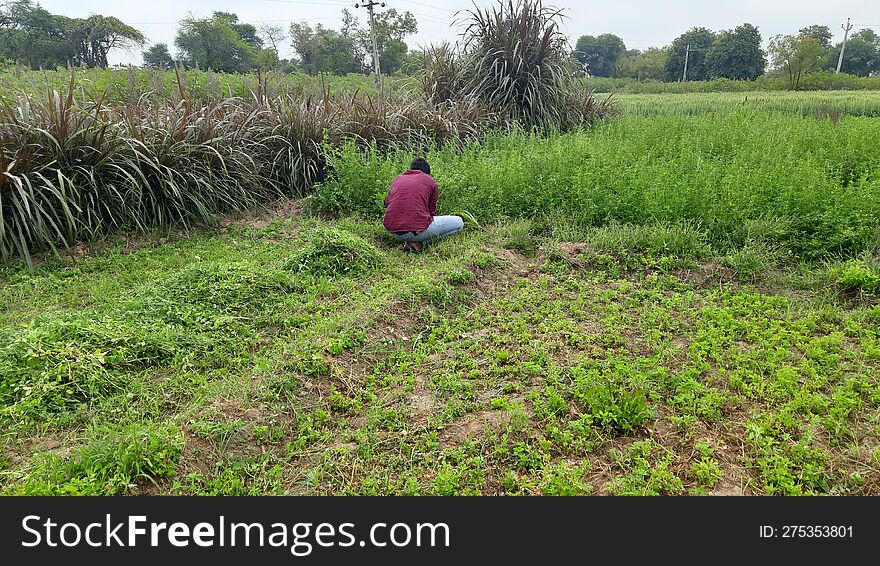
(212, 364)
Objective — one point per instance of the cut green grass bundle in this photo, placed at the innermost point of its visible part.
(684, 240)
(58, 363)
(333, 251)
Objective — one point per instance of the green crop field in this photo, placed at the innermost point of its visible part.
(818, 104)
(682, 299)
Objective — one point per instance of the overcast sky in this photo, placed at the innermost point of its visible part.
(641, 23)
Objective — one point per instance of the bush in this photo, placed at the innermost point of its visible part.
(331, 252)
(858, 277)
(515, 60)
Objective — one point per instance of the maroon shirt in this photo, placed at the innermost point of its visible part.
(411, 202)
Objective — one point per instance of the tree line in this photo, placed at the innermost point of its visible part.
(32, 36)
(731, 54)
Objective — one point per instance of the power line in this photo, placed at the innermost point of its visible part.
(431, 18)
(240, 21)
(429, 6)
(333, 3)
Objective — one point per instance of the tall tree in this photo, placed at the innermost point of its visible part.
(158, 57)
(246, 32)
(822, 34)
(700, 41)
(599, 54)
(273, 35)
(33, 36)
(648, 65)
(349, 49)
(391, 29)
(216, 43)
(861, 57)
(323, 50)
(737, 54)
(93, 38)
(795, 55)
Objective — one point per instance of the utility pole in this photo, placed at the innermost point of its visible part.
(369, 6)
(846, 29)
(684, 75)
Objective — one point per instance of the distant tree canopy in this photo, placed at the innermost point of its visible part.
(736, 54)
(796, 55)
(391, 29)
(220, 43)
(861, 57)
(647, 65)
(33, 36)
(349, 50)
(158, 57)
(733, 54)
(599, 54)
(811, 49)
(323, 50)
(700, 41)
(822, 34)
(93, 38)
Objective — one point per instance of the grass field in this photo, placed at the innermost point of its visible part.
(818, 104)
(132, 84)
(795, 185)
(676, 302)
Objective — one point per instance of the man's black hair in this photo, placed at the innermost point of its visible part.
(421, 164)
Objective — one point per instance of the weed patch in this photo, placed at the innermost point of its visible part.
(110, 464)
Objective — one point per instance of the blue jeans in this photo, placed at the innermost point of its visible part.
(441, 227)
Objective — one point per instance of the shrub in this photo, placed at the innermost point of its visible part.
(858, 277)
(514, 59)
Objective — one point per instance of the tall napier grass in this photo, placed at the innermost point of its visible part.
(514, 59)
(77, 169)
(808, 184)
